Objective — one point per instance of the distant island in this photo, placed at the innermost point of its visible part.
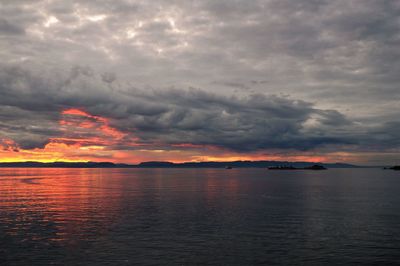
(161, 164)
(396, 168)
(65, 165)
(313, 167)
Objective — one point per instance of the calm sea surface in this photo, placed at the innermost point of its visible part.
(199, 217)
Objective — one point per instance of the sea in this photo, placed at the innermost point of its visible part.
(167, 216)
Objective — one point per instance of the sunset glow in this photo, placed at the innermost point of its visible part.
(85, 137)
(199, 81)
(199, 132)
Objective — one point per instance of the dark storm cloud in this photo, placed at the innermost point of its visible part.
(29, 129)
(332, 65)
(32, 103)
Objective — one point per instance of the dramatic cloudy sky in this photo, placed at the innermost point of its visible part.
(130, 81)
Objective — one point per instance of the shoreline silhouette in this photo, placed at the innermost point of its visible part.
(279, 165)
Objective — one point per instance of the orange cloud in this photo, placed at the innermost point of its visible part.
(84, 137)
(83, 123)
(87, 137)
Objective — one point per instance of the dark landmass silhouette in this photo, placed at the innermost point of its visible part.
(161, 164)
(396, 168)
(64, 165)
(283, 168)
(242, 164)
(313, 167)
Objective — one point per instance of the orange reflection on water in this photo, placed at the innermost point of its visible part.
(64, 202)
(71, 206)
(221, 181)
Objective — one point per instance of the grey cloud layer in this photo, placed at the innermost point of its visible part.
(323, 50)
(31, 107)
(339, 59)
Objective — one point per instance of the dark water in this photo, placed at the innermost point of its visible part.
(199, 217)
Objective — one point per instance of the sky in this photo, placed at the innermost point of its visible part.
(132, 81)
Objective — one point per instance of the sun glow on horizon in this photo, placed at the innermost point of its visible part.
(84, 137)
